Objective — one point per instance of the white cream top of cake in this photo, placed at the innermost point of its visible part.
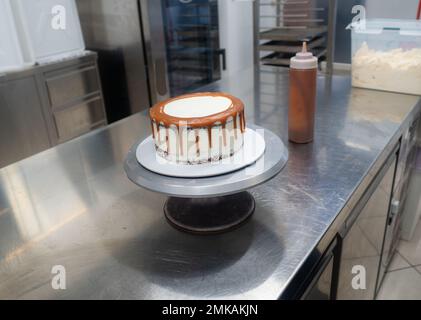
(197, 107)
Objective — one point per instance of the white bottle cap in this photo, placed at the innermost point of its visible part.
(303, 59)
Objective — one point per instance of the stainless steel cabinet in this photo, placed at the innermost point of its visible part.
(321, 288)
(150, 50)
(113, 29)
(64, 86)
(395, 228)
(22, 128)
(363, 235)
(322, 285)
(74, 105)
(48, 104)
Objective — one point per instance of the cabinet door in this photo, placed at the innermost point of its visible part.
(22, 127)
(113, 29)
(320, 283)
(363, 236)
(320, 289)
(192, 43)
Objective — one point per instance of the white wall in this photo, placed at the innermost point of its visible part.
(236, 34)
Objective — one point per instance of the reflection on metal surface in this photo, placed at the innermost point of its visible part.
(357, 145)
(360, 102)
(27, 245)
(121, 247)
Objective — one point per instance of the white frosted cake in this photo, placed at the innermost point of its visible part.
(198, 128)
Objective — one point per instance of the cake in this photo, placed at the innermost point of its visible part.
(198, 128)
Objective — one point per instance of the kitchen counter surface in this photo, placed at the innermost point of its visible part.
(73, 205)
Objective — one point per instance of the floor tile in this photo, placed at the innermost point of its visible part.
(398, 263)
(402, 284)
(418, 269)
(411, 250)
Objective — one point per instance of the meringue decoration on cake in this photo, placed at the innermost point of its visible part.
(198, 128)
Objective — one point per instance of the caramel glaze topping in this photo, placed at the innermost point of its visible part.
(197, 142)
(158, 115)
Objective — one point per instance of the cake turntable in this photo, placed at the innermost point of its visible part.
(211, 204)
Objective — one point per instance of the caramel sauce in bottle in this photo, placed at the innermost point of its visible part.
(302, 97)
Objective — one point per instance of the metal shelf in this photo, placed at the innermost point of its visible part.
(281, 26)
(283, 59)
(290, 46)
(191, 70)
(277, 2)
(196, 32)
(173, 4)
(294, 34)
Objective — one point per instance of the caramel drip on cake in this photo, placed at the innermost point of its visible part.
(224, 133)
(197, 143)
(153, 131)
(235, 126)
(180, 141)
(242, 122)
(159, 132)
(210, 136)
(167, 139)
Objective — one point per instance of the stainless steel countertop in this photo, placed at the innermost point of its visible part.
(74, 206)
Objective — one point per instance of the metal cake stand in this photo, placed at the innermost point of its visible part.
(212, 204)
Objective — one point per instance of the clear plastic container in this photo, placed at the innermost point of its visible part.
(386, 55)
(40, 40)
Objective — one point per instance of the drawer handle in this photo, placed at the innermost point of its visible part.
(394, 209)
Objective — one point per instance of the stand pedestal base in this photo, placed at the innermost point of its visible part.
(209, 215)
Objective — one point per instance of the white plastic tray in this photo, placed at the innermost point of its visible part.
(39, 40)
